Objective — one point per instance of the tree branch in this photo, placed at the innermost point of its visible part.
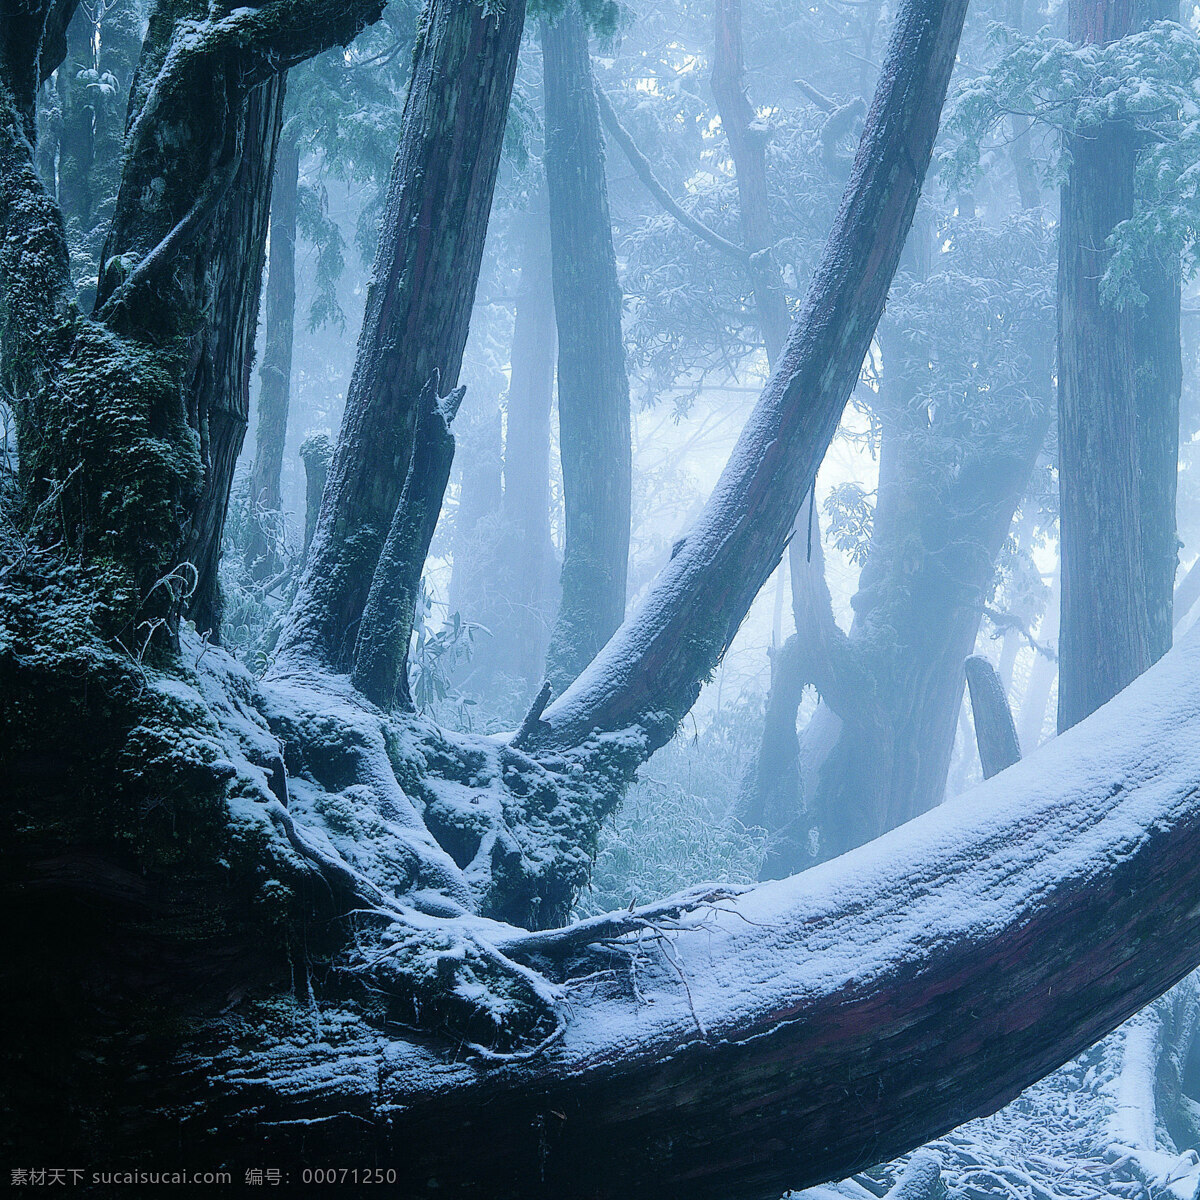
(645, 172)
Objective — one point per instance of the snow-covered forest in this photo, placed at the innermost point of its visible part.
(596, 598)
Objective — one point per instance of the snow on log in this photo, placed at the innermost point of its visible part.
(812, 1026)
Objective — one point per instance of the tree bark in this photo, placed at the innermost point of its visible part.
(517, 602)
(182, 264)
(418, 307)
(262, 551)
(917, 613)
(649, 672)
(995, 733)
(316, 452)
(748, 145)
(593, 388)
(1118, 415)
(381, 651)
(219, 373)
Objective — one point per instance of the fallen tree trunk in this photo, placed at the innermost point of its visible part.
(813, 1026)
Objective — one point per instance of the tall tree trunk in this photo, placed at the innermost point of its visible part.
(648, 674)
(225, 229)
(1158, 379)
(593, 388)
(418, 306)
(1118, 414)
(219, 372)
(748, 145)
(262, 551)
(151, 459)
(518, 598)
(531, 565)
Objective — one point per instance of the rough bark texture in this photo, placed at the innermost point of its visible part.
(648, 673)
(316, 453)
(995, 733)
(381, 651)
(418, 305)
(748, 145)
(218, 374)
(182, 264)
(34, 266)
(262, 551)
(593, 388)
(1118, 414)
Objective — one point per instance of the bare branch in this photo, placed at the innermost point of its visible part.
(645, 172)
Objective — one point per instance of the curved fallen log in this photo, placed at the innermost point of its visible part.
(811, 1026)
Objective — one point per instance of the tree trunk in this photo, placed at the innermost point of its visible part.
(316, 452)
(262, 551)
(381, 652)
(518, 600)
(748, 145)
(219, 373)
(917, 615)
(593, 388)
(418, 307)
(995, 732)
(531, 563)
(1118, 415)
(648, 674)
(181, 273)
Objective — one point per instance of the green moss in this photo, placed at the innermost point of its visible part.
(112, 468)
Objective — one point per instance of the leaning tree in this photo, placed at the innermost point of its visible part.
(293, 909)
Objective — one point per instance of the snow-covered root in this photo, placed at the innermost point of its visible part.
(440, 851)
